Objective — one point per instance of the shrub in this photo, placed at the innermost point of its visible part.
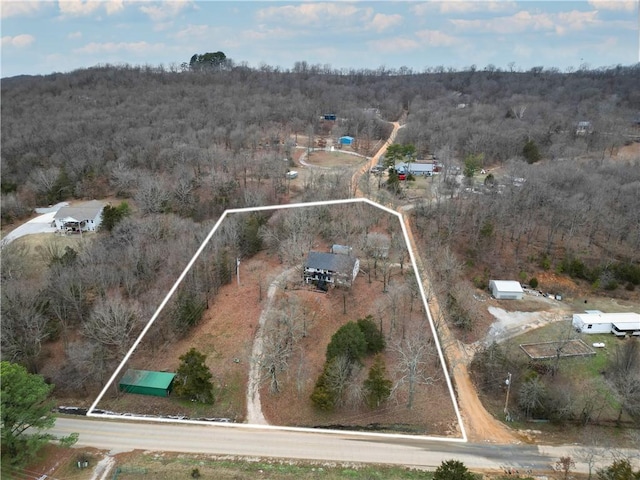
(480, 282)
(545, 262)
(453, 470)
(533, 282)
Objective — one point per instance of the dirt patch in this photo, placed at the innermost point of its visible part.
(546, 350)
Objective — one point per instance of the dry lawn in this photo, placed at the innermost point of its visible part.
(334, 159)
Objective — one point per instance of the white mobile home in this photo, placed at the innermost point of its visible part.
(416, 168)
(506, 289)
(620, 324)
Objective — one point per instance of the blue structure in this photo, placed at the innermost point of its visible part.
(346, 140)
(330, 116)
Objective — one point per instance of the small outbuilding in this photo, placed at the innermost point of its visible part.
(506, 289)
(346, 140)
(146, 382)
(341, 249)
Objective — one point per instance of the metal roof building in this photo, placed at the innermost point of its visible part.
(594, 321)
(506, 289)
(146, 382)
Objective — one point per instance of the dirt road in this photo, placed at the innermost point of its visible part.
(480, 425)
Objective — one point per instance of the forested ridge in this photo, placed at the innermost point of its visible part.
(182, 147)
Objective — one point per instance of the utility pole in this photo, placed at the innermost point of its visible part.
(506, 402)
(238, 269)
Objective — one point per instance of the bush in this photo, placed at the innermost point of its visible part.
(545, 262)
(533, 283)
(453, 470)
(480, 282)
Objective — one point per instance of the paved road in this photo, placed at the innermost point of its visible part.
(260, 441)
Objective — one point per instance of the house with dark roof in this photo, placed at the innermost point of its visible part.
(324, 269)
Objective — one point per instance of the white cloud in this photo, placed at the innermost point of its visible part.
(436, 38)
(397, 44)
(523, 21)
(573, 21)
(624, 5)
(76, 8)
(74, 35)
(382, 22)
(462, 6)
(160, 11)
(113, 47)
(13, 9)
(114, 6)
(306, 14)
(19, 41)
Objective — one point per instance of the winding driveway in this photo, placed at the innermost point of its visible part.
(40, 224)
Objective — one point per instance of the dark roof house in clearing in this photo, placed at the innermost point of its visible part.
(323, 269)
(146, 382)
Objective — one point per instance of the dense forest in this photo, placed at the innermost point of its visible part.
(180, 147)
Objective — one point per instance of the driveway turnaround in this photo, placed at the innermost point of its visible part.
(41, 224)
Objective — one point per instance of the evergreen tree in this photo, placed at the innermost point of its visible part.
(111, 216)
(377, 385)
(322, 396)
(530, 152)
(193, 378)
(373, 336)
(348, 341)
(619, 470)
(24, 404)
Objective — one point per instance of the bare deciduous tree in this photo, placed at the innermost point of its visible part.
(112, 323)
(24, 325)
(282, 330)
(413, 354)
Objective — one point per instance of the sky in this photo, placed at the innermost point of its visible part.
(43, 37)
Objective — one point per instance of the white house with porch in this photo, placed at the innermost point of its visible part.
(83, 217)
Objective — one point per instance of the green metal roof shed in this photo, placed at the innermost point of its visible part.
(146, 382)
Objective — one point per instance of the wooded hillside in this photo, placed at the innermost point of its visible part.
(181, 147)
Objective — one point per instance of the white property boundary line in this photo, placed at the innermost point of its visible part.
(90, 412)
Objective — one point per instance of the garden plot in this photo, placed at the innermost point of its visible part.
(564, 349)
